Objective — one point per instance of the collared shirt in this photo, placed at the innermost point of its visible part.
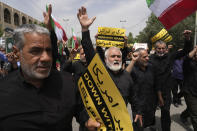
(49, 108)
(144, 86)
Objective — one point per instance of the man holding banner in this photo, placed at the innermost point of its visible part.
(121, 78)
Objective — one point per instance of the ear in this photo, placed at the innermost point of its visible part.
(105, 59)
(16, 50)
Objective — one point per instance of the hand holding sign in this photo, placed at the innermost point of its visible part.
(83, 19)
(92, 125)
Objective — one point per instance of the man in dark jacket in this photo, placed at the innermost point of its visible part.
(162, 64)
(189, 88)
(143, 77)
(36, 97)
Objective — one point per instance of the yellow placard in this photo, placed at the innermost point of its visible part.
(105, 43)
(108, 37)
(77, 57)
(162, 35)
(102, 98)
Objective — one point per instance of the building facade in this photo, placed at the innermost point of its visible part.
(11, 18)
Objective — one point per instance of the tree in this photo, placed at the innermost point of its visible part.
(130, 38)
(42, 24)
(153, 26)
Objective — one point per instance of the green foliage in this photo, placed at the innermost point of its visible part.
(35, 22)
(42, 24)
(153, 26)
(131, 40)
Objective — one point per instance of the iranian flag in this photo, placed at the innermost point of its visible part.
(170, 12)
(59, 31)
(75, 43)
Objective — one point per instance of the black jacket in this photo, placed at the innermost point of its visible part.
(122, 80)
(162, 66)
(49, 108)
(144, 86)
(190, 76)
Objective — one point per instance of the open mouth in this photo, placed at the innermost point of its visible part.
(116, 63)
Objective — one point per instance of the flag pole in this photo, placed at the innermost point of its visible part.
(195, 37)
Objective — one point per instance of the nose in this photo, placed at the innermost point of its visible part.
(117, 58)
(45, 56)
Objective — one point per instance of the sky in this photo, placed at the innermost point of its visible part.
(129, 14)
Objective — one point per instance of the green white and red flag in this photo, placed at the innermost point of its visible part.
(75, 43)
(170, 12)
(59, 31)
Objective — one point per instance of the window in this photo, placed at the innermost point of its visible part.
(16, 19)
(7, 16)
(30, 21)
(24, 20)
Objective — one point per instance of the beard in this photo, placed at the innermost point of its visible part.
(114, 66)
(160, 54)
(82, 59)
(31, 70)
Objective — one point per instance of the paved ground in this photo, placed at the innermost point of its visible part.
(176, 125)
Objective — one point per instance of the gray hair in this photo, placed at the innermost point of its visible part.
(159, 42)
(113, 47)
(27, 28)
(139, 50)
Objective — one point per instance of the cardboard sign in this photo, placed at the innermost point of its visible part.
(108, 37)
(162, 35)
(140, 45)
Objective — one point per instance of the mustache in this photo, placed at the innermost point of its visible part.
(116, 62)
(44, 64)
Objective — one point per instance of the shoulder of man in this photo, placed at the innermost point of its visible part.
(9, 79)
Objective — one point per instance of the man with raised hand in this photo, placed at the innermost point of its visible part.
(162, 64)
(143, 77)
(113, 61)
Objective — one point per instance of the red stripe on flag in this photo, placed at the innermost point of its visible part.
(177, 12)
(64, 37)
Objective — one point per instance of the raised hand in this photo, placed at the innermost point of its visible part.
(84, 20)
(47, 18)
(135, 56)
(187, 34)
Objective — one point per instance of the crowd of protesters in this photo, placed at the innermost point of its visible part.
(37, 94)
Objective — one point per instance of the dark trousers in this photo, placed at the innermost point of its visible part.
(185, 114)
(176, 95)
(165, 113)
(191, 102)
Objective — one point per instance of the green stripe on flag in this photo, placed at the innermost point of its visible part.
(149, 2)
(52, 22)
(73, 41)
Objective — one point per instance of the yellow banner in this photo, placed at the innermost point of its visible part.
(102, 98)
(108, 37)
(105, 43)
(162, 35)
